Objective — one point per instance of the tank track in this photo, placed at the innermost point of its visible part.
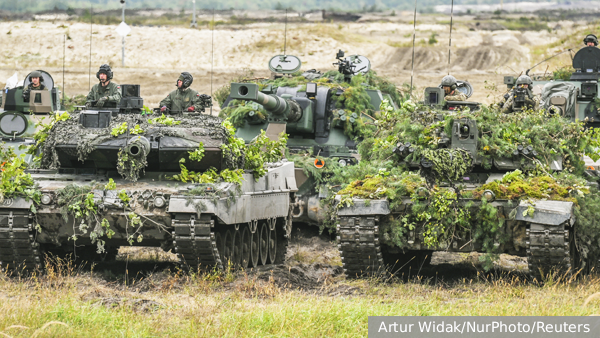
(548, 249)
(358, 243)
(195, 242)
(19, 252)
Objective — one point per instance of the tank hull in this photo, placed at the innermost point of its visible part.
(210, 225)
(540, 232)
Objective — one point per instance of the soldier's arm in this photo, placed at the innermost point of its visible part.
(166, 102)
(507, 107)
(455, 97)
(532, 101)
(91, 95)
(26, 93)
(115, 94)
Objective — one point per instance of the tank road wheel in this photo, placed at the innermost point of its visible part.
(228, 248)
(246, 243)
(264, 243)
(273, 245)
(220, 248)
(254, 248)
(236, 257)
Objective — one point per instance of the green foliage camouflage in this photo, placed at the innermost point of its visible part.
(14, 181)
(551, 136)
(443, 208)
(77, 205)
(353, 103)
(251, 157)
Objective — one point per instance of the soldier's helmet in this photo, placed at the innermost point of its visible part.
(590, 38)
(106, 70)
(36, 73)
(449, 81)
(524, 79)
(186, 79)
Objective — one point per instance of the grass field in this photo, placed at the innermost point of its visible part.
(69, 302)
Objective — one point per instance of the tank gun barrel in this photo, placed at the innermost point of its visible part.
(279, 108)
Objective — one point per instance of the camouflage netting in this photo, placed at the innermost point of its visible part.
(126, 127)
(533, 139)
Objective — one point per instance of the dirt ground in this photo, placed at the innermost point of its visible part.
(312, 264)
(156, 55)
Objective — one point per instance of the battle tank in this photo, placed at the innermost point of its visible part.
(106, 181)
(464, 181)
(19, 114)
(321, 113)
(575, 98)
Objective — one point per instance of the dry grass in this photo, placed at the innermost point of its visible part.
(68, 302)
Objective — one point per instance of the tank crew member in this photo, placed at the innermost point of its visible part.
(36, 83)
(591, 40)
(449, 85)
(184, 98)
(521, 96)
(105, 91)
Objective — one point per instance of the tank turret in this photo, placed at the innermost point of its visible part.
(100, 140)
(324, 115)
(22, 108)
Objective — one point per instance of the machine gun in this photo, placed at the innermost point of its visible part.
(349, 66)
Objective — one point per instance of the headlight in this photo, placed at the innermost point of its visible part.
(159, 201)
(489, 195)
(422, 192)
(46, 199)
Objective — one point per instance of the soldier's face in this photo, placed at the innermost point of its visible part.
(447, 90)
(35, 81)
(179, 83)
(103, 77)
(590, 44)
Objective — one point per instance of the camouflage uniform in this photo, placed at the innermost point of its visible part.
(455, 96)
(532, 102)
(30, 87)
(180, 99)
(112, 91)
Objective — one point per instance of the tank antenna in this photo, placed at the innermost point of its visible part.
(90, 65)
(64, 52)
(412, 66)
(553, 56)
(212, 56)
(450, 38)
(285, 33)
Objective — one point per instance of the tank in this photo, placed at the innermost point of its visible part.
(462, 180)
(574, 98)
(322, 114)
(106, 180)
(19, 115)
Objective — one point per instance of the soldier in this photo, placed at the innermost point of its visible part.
(591, 40)
(35, 79)
(105, 91)
(449, 85)
(184, 98)
(521, 97)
